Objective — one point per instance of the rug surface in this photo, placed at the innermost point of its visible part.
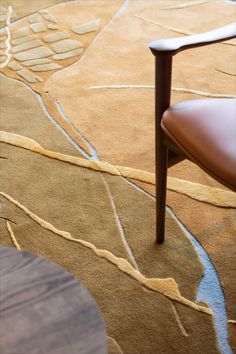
(77, 166)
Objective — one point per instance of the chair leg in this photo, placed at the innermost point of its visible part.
(161, 185)
(162, 102)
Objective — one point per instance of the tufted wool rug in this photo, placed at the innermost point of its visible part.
(77, 166)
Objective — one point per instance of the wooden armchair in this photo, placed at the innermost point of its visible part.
(203, 131)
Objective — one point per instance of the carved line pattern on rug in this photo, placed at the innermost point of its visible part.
(199, 192)
(194, 92)
(188, 33)
(7, 42)
(116, 344)
(119, 225)
(13, 237)
(165, 286)
(185, 5)
(175, 89)
(126, 246)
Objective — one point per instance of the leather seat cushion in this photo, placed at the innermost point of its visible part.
(206, 132)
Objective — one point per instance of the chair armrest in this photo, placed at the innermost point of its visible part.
(172, 46)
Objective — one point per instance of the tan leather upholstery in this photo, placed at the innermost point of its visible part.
(206, 131)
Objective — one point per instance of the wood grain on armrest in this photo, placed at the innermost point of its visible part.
(171, 46)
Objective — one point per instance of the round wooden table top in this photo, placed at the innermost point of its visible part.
(45, 310)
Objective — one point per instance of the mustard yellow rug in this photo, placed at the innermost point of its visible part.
(77, 166)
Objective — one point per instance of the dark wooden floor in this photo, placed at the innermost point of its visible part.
(44, 310)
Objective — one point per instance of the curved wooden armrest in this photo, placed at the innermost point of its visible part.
(172, 46)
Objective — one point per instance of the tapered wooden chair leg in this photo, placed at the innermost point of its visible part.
(161, 185)
(162, 102)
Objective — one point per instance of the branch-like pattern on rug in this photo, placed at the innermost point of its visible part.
(59, 127)
(214, 196)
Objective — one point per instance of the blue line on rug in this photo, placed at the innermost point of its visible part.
(93, 156)
(73, 142)
(210, 291)
(121, 9)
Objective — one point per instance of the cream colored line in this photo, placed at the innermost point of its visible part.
(180, 31)
(165, 286)
(116, 345)
(121, 87)
(7, 42)
(32, 145)
(119, 225)
(189, 4)
(183, 330)
(164, 26)
(215, 196)
(232, 321)
(13, 237)
(175, 89)
(202, 193)
(203, 93)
